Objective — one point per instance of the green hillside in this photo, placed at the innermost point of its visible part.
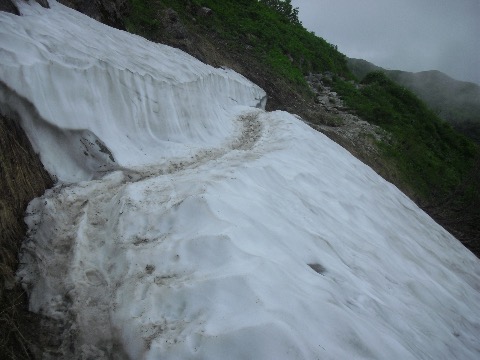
(432, 157)
(275, 39)
(457, 102)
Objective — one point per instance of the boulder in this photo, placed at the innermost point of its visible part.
(173, 25)
(9, 6)
(109, 12)
(204, 11)
(44, 3)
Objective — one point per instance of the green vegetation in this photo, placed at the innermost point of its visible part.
(470, 128)
(457, 102)
(432, 157)
(141, 19)
(287, 47)
(285, 8)
(276, 38)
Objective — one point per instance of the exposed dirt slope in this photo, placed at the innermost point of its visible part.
(22, 177)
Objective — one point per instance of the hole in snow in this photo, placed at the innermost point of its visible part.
(149, 269)
(317, 268)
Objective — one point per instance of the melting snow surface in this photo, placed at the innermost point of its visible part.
(94, 89)
(204, 228)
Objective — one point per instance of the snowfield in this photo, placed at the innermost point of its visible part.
(188, 223)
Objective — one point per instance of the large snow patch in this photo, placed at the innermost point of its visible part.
(247, 235)
(98, 90)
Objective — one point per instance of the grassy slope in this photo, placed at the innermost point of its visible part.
(457, 102)
(431, 155)
(246, 36)
(289, 50)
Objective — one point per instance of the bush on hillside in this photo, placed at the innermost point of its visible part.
(432, 157)
(284, 8)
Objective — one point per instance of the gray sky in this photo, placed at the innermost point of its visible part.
(411, 35)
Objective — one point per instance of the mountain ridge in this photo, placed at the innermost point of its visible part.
(455, 101)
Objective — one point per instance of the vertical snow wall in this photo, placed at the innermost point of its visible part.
(161, 102)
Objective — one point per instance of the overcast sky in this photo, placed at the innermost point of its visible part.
(411, 35)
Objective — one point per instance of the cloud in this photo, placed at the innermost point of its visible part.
(412, 35)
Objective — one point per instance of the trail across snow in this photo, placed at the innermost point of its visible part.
(218, 230)
(95, 231)
(209, 259)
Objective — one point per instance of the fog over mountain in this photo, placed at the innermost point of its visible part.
(457, 102)
(408, 35)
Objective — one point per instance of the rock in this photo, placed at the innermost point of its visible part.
(204, 11)
(44, 3)
(109, 12)
(173, 25)
(9, 6)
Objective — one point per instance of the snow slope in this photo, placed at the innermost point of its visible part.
(220, 231)
(112, 90)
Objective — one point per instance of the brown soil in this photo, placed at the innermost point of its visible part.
(22, 177)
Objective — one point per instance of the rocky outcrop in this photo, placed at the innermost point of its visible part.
(335, 120)
(109, 12)
(204, 11)
(173, 25)
(9, 6)
(44, 3)
(324, 95)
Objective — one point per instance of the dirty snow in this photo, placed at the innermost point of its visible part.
(206, 228)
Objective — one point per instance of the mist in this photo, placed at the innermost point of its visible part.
(411, 35)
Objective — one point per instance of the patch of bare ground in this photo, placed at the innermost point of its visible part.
(22, 177)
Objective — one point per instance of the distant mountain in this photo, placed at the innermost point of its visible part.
(457, 102)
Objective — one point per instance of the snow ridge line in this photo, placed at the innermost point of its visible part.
(250, 133)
